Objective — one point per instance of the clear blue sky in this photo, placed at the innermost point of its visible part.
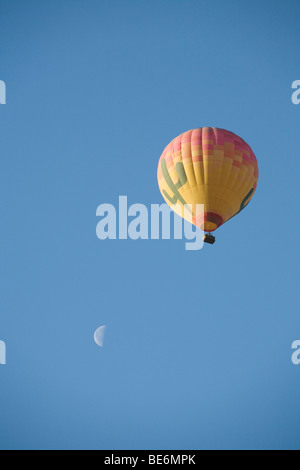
(198, 344)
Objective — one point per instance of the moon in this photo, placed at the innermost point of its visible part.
(99, 335)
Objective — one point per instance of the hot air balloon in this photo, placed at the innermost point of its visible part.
(208, 166)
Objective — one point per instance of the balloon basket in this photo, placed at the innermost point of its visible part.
(209, 238)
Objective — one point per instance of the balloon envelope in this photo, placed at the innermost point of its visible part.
(208, 166)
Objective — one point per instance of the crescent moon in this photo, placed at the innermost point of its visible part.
(99, 335)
